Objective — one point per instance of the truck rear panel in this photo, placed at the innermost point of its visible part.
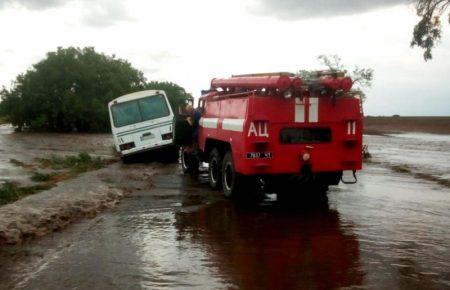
(270, 134)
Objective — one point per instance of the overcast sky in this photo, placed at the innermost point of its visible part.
(191, 42)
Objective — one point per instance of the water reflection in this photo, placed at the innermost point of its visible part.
(274, 246)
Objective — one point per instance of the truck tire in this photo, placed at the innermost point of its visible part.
(233, 183)
(189, 164)
(215, 169)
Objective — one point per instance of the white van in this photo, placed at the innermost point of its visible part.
(141, 121)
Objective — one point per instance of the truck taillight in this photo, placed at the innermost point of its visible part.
(306, 156)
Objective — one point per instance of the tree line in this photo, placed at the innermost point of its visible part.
(69, 91)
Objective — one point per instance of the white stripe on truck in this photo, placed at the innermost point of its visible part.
(233, 125)
(210, 123)
(299, 111)
(351, 128)
(313, 110)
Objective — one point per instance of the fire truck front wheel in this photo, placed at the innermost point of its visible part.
(215, 169)
(189, 163)
(233, 183)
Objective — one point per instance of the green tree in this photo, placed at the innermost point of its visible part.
(362, 77)
(69, 91)
(428, 30)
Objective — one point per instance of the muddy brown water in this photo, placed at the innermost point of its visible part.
(388, 232)
(26, 147)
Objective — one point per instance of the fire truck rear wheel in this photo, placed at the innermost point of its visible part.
(232, 182)
(215, 169)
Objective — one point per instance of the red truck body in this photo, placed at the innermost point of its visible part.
(276, 125)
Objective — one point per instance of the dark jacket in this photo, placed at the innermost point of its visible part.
(196, 116)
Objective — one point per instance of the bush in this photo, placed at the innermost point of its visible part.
(40, 177)
(77, 164)
(10, 192)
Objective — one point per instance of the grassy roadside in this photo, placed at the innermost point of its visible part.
(48, 172)
(10, 191)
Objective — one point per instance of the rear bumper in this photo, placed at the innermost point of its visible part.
(339, 154)
(291, 162)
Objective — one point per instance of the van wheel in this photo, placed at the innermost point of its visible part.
(215, 169)
(233, 183)
(189, 164)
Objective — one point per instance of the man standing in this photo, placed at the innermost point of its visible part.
(194, 119)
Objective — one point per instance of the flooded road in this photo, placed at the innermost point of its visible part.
(26, 147)
(388, 232)
(424, 154)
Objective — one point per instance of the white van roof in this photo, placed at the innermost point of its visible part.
(136, 95)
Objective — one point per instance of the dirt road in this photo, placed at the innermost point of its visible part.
(389, 231)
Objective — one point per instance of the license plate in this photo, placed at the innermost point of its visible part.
(147, 136)
(259, 155)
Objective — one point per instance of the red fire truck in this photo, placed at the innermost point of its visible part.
(278, 131)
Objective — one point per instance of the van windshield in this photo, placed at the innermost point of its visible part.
(140, 110)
